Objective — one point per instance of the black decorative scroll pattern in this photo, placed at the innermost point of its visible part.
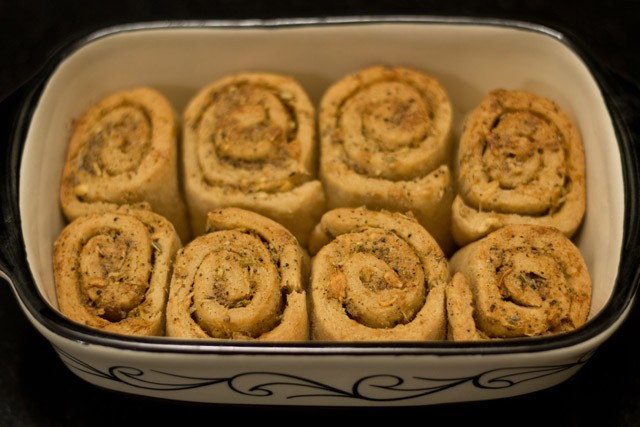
(372, 388)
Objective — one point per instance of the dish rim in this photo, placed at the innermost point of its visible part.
(622, 296)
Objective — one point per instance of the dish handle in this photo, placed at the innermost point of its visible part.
(11, 246)
(624, 100)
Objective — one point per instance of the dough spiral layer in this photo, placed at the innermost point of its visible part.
(520, 280)
(376, 276)
(250, 142)
(245, 278)
(123, 150)
(520, 160)
(385, 137)
(112, 270)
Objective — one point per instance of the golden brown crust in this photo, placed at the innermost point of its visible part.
(123, 150)
(250, 142)
(376, 276)
(245, 278)
(385, 137)
(520, 160)
(523, 280)
(112, 270)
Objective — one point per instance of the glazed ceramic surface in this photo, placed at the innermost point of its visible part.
(469, 58)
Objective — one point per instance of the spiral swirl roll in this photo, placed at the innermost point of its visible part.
(112, 270)
(123, 150)
(245, 278)
(250, 142)
(376, 276)
(385, 137)
(521, 280)
(520, 160)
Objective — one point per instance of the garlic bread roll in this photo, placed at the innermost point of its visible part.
(124, 150)
(385, 143)
(250, 142)
(243, 279)
(520, 160)
(521, 280)
(376, 276)
(112, 270)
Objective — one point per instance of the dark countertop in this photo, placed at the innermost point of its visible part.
(36, 389)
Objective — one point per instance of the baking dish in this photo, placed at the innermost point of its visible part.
(469, 57)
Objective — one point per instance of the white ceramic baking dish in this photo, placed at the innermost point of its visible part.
(468, 56)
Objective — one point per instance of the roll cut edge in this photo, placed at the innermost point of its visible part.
(521, 280)
(386, 143)
(520, 160)
(245, 278)
(124, 150)
(376, 276)
(250, 142)
(112, 270)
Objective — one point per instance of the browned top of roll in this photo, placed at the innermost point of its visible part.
(527, 151)
(245, 278)
(387, 122)
(521, 158)
(252, 132)
(118, 144)
(112, 270)
(525, 280)
(124, 150)
(377, 275)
